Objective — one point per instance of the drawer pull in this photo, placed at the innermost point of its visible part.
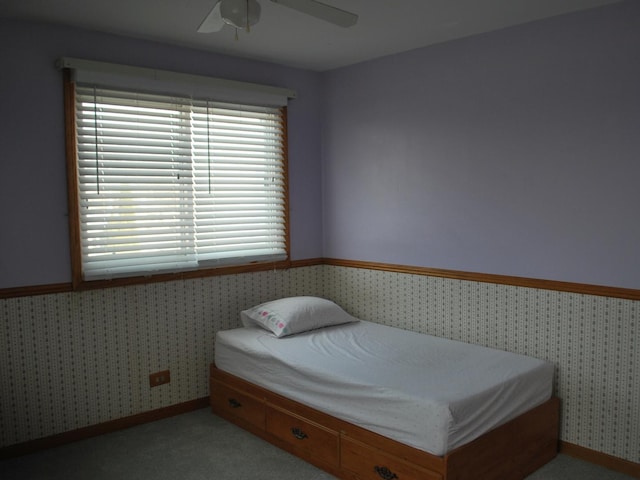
(233, 403)
(385, 473)
(299, 434)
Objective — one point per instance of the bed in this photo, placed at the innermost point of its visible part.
(364, 400)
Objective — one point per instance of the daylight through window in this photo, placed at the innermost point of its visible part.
(169, 183)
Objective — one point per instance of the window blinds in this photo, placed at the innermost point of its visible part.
(169, 183)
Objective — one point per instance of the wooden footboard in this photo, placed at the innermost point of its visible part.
(511, 451)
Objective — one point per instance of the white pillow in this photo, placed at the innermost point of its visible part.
(287, 316)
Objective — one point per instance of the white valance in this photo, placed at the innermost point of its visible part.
(175, 83)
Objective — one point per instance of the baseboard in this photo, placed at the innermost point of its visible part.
(598, 458)
(566, 448)
(102, 428)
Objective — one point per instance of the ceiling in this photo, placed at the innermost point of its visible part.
(287, 37)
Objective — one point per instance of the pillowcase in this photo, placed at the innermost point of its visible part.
(287, 316)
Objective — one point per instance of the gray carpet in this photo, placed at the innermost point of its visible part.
(199, 446)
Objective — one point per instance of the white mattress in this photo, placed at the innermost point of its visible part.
(431, 393)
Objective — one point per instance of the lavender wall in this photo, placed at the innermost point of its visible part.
(34, 246)
(515, 152)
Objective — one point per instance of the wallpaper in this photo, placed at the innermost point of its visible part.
(77, 359)
(591, 340)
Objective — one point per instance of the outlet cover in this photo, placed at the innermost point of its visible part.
(159, 378)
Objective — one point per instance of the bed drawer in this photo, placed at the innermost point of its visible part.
(367, 463)
(227, 401)
(304, 435)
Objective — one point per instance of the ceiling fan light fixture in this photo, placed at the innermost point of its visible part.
(240, 13)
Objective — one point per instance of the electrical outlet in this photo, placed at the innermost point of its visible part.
(159, 378)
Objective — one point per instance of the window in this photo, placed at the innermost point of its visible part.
(172, 183)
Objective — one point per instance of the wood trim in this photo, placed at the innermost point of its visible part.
(187, 275)
(309, 262)
(34, 290)
(586, 289)
(285, 166)
(72, 177)
(598, 458)
(102, 428)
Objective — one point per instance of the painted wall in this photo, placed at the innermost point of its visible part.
(513, 152)
(34, 244)
(510, 152)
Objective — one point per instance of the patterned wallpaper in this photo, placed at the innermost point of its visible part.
(593, 341)
(76, 359)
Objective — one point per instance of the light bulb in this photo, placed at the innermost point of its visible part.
(240, 13)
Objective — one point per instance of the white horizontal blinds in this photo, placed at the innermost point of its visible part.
(154, 197)
(135, 182)
(239, 182)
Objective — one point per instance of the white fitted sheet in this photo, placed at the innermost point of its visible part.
(430, 393)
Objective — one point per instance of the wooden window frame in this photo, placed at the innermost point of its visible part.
(78, 282)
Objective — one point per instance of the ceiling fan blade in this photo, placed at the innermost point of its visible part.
(322, 11)
(212, 22)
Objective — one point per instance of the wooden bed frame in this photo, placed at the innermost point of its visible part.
(511, 451)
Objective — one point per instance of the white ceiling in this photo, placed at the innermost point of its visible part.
(287, 37)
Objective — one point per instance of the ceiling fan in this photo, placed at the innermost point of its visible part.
(246, 13)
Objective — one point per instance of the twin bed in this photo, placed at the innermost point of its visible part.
(367, 401)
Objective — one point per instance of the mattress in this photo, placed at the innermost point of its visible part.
(431, 393)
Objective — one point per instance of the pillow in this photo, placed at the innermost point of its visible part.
(287, 316)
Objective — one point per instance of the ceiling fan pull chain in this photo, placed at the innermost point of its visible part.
(247, 18)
